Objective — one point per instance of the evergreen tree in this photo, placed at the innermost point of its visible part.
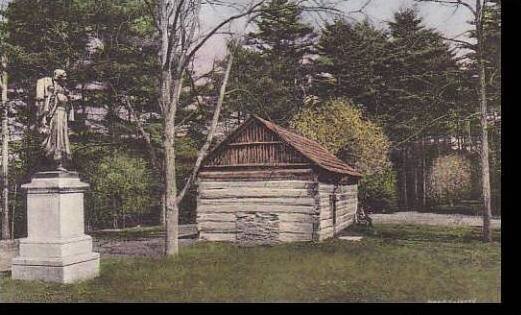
(269, 76)
(43, 36)
(421, 76)
(349, 54)
(406, 78)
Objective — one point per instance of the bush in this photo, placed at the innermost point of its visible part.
(120, 191)
(377, 192)
(340, 127)
(450, 179)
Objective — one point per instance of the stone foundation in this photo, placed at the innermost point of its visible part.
(254, 228)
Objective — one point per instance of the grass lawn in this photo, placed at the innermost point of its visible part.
(393, 263)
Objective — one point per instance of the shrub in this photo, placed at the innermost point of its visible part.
(377, 192)
(450, 179)
(341, 128)
(120, 190)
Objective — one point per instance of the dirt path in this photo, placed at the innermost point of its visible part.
(151, 246)
(146, 247)
(412, 217)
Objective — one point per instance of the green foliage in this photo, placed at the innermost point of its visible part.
(341, 128)
(267, 76)
(42, 36)
(421, 76)
(404, 78)
(186, 155)
(450, 178)
(377, 192)
(349, 53)
(121, 189)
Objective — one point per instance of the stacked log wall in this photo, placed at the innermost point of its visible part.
(231, 203)
(346, 204)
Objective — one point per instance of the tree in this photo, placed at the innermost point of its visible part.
(177, 22)
(479, 47)
(406, 78)
(269, 77)
(421, 76)
(55, 38)
(5, 133)
(342, 129)
(346, 67)
(6, 234)
(107, 42)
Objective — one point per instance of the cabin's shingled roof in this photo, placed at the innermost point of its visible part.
(311, 149)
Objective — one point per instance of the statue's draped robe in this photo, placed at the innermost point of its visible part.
(56, 144)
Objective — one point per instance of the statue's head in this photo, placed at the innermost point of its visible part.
(60, 74)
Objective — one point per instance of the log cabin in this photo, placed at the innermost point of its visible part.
(264, 184)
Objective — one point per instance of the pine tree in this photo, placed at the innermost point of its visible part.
(421, 75)
(269, 75)
(346, 67)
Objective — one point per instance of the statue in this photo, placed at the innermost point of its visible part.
(56, 248)
(52, 100)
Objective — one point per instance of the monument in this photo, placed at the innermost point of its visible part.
(56, 248)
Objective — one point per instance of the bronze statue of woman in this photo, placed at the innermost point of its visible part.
(53, 110)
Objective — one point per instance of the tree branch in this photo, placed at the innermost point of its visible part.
(144, 134)
(204, 150)
(452, 2)
(253, 9)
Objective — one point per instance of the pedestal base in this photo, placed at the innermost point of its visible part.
(56, 248)
(61, 270)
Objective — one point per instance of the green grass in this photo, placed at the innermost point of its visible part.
(393, 263)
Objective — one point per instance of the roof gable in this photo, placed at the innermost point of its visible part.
(307, 148)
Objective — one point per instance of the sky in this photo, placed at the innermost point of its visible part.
(444, 18)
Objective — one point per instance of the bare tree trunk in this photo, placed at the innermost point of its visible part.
(172, 211)
(404, 170)
(485, 170)
(6, 234)
(424, 177)
(13, 211)
(170, 185)
(163, 208)
(415, 177)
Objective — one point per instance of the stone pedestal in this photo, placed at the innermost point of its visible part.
(56, 248)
